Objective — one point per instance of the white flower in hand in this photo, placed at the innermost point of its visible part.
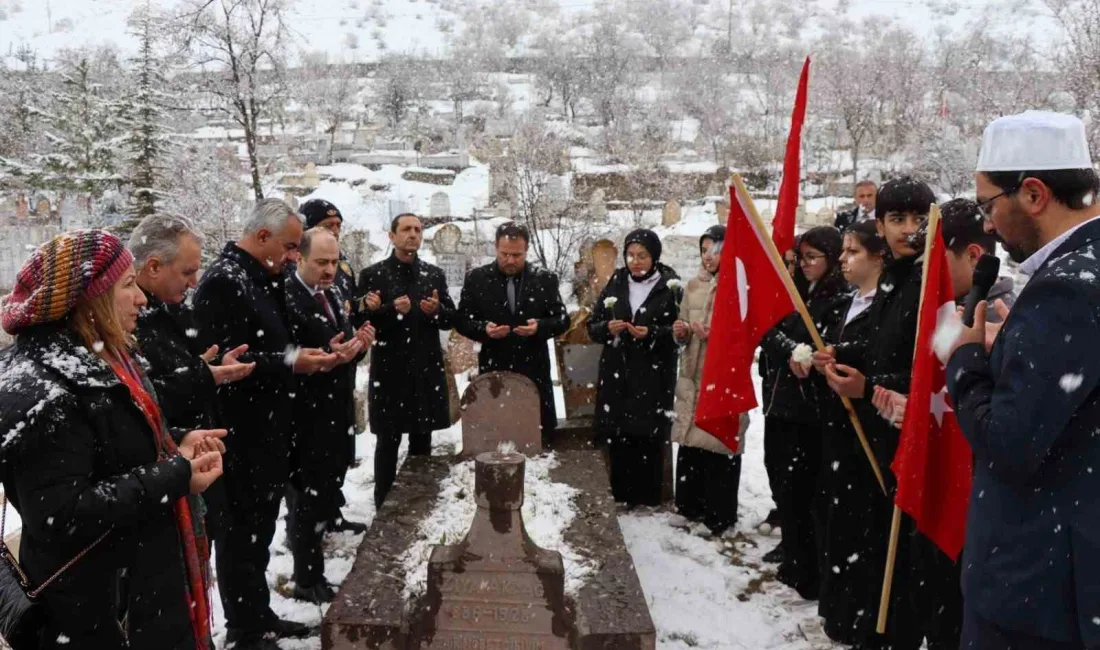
(803, 355)
(610, 301)
(674, 284)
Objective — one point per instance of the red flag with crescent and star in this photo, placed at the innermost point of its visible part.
(933, 463)
(750, 299)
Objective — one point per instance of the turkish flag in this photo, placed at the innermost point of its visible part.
(787, 205)
(933, 463)
(750, 299)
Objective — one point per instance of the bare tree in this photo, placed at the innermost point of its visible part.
(240, 49)
(209, 187)
(326, 90)
(533, 164)
(846, 87)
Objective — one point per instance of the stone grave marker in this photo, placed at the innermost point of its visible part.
(495, 588)
(460, 353)
(597, 206)
(605, 257)
(670, 216)
(310, 178)
(723, 209)
(501, 407)
(440, 205)
(445, 245)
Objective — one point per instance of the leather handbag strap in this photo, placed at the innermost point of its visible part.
(32, 594)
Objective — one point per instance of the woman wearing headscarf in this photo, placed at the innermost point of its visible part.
(633, 318)
(708, 474)
(90, 465)
(792, 433)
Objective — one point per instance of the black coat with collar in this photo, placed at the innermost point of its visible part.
(886, 355)
(79, 458)
(408, 381)
(324, 413)
(239, 302)
(485, 300)
(1031, 412)
(855, 512)
(637, 376)
(167, 337)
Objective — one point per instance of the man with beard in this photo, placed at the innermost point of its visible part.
(319, 213)
(322, 423)
(167, 254)
(512, 309)
(408, 304)
(1028, 400)
(241, 300)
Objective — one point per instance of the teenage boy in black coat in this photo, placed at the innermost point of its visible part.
(927, 602)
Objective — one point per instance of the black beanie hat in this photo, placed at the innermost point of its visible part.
(646, 238)
(715, 233)
(317, 210)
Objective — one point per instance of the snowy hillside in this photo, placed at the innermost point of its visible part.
(365, 29)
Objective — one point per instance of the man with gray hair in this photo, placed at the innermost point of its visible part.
(167, 254)
(241, 300)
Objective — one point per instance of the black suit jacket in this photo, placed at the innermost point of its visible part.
(1031, 411)
(485, 300)
(324, 412)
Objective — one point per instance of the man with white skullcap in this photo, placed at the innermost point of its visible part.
(1029, 400)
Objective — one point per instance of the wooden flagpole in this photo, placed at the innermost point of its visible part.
(800, 306)
(895, 523)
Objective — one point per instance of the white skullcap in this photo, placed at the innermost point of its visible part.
(1034, 141)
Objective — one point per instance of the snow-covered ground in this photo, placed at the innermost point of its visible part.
(702, 593)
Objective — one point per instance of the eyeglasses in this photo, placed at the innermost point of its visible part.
(985, 208)
(810, 258)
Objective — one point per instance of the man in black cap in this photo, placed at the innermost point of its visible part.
(319, 213)
(512, 309)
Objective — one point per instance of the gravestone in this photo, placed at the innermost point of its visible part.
(310, 178)
(670, 216)
(445, 245)
(440, 205)
(495, 588)
(460, 353)
(42, 209)
(723, 209)
(597, 206)
(501, 407)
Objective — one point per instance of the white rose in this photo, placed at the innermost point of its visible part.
(803, 355)
(674, 284)
(610, 301)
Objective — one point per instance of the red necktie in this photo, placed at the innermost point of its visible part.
(320, 298)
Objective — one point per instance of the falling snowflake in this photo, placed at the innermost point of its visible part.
(260, 333)
(191, 332)
(1070, 382)
(97, 346)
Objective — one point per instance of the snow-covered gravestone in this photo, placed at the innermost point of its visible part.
(500, 407)
(445, 245)
(440, 205)
(496, 588)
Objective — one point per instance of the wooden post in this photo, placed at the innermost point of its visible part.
(895, 523)
(800, 306)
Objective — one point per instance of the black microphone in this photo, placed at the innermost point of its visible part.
(985, 275)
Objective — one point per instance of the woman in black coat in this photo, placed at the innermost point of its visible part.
(633, 318)
(88, 463)
(792, 436)
(855, 514)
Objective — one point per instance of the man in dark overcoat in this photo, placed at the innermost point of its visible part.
(512, 309)
(406, 300)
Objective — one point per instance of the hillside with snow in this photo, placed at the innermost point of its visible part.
(363, 30)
